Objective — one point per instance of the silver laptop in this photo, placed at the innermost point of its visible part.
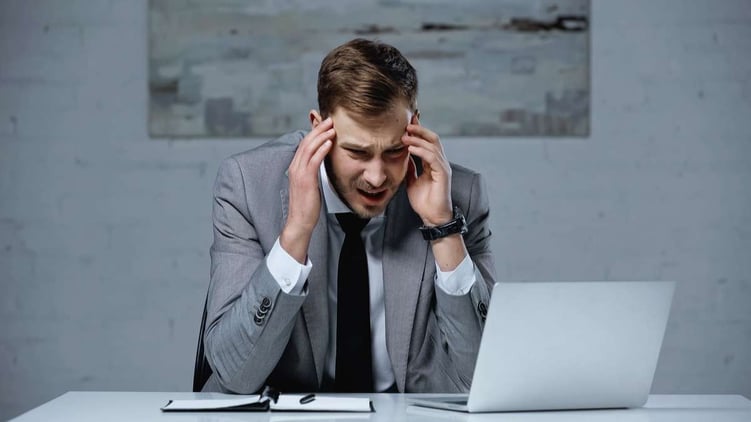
(566, 345)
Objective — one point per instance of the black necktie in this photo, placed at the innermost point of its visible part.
(353, 357)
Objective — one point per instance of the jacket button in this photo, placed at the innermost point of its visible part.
(257, 320)
(482, 309)
(265, 304)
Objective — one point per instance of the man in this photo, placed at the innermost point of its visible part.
(299, 300)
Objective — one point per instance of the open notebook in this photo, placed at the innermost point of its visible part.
(271, 400)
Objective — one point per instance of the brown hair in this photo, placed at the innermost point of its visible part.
(366, 78)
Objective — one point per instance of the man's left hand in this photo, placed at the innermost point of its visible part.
(430, 192)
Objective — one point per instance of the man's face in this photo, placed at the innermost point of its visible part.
(368, 161)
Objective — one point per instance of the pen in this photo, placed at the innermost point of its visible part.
(307, 398)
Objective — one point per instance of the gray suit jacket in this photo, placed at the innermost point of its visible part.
(256, 334)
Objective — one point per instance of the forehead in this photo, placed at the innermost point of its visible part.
(382, 130)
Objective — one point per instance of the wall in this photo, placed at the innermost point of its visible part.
(104, 233)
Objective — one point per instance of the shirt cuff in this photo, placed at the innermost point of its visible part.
(459, 281)
(289, 273)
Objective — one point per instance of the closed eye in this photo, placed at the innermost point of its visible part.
(357, 153)
(396, 152)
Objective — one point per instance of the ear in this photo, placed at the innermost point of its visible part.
(315, 118)
(415, 118)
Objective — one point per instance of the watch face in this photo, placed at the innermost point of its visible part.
(457, 225)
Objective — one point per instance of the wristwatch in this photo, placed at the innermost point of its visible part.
(457, 225)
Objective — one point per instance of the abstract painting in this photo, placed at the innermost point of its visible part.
(486, 68)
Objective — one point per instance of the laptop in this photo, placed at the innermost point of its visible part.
(566, 345)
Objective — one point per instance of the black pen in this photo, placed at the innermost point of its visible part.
(307, 398)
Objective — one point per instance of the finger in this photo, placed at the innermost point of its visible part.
(321, 153)
(424, 154)
(423, 132)
(326, 124)
(316, 132)
(417, 141)
(306, 161)
(306, 149)
(431, 160)
(319, 139)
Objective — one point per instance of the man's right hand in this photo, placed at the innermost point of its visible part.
(304, 192)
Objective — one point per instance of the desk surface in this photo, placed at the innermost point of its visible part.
(132, 406)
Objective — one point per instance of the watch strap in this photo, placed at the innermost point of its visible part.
(457, 225)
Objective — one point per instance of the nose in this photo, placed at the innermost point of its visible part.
(375, 173)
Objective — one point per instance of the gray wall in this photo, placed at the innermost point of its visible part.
(104, 233)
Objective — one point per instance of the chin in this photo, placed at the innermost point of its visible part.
(367, 212)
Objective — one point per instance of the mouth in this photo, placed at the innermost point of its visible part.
(372, 197)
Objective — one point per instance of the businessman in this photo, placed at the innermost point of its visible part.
(353, 257)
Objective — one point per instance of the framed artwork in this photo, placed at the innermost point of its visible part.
(247, 68)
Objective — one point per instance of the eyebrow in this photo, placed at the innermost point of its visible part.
(354, 145)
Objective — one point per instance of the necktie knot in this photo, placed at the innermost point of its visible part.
(351, 223)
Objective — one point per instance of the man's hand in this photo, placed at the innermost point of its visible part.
(304, 192)
(430, 193)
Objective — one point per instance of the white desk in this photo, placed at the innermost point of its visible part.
(130, 406)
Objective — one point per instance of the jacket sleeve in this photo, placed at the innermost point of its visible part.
(249, 318)
(459, 319)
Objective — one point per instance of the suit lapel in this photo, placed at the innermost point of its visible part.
(315, 308)
(404, 255)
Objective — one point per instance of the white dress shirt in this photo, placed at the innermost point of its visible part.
(291, 276)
